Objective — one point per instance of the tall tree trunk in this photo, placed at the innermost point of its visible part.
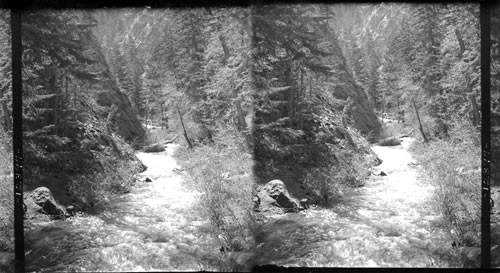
(460, 42)
(310, 88)
(420, 124)
(66, 99)
(6, 116)
(345, 111)
(299, 98)
(242, 125)
(383, 107)
(146, 114)
(162, 119)
(184, 129)
(110, 117)
(53, 88)
(224, 48)
(475, 110)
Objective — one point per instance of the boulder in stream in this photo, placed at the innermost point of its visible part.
(378, 172)
(274, 197)
(143, 178)
(41, 201)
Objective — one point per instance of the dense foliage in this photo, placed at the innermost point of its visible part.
(303, 99)
(65, 130)
(427, 55)
(424, 66)
(289, 92)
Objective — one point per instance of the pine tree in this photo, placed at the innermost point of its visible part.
(372, 62)
(358, 64)
(426, 42)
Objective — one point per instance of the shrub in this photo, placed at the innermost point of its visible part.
(330, 182)
(453, 167)
(325, 183)
(223, 173)
(112, 172)
(91, 190)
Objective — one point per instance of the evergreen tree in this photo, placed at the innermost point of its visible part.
(373, 64)
(358, 65)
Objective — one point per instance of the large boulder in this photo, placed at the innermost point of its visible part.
(122, 115)
(274, 197)
(41, 201)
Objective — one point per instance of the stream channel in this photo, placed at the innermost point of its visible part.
(390, 222)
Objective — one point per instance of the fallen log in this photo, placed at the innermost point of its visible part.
(405, 135)
(169, 141)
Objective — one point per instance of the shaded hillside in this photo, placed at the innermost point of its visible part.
(128, 38)
(69, 138)
(306, 102)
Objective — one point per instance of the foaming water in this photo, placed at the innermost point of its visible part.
(390, 222)
(156, 227)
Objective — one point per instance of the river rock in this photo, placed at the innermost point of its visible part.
(305, 203)
(143, 178)
(274, 196)
(71, 210)
(373, 159)
(378, 172)
(42, 201)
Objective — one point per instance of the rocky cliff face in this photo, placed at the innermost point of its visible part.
(362, 116)
(121, 115)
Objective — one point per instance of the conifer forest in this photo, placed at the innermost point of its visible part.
(229, 138)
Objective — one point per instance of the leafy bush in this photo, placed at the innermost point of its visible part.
(91, 191)
(223, 173)
(330, 182)
(325, 183)
(90, 162)
(453, 167)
